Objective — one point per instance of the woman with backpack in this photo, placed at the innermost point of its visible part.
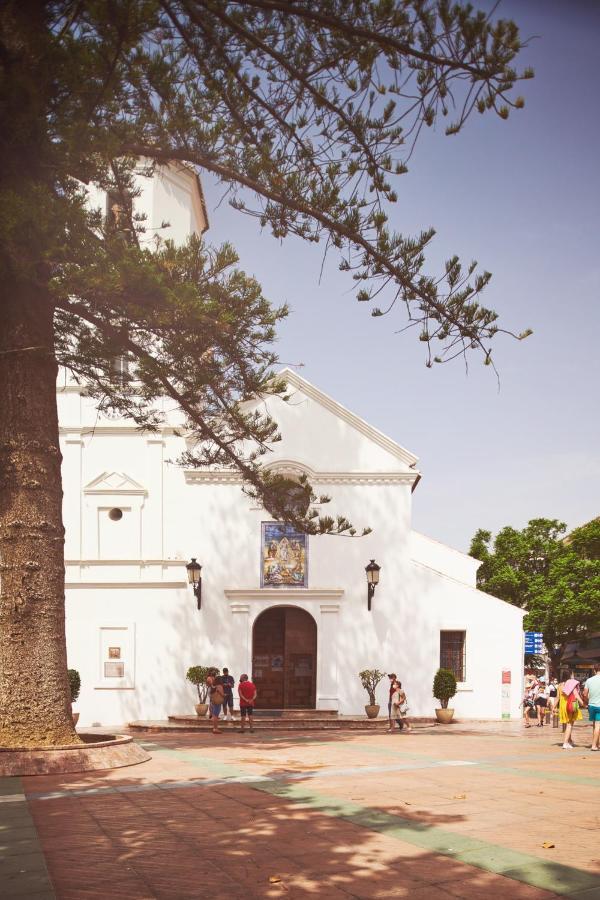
(216, 696)
(569, 708)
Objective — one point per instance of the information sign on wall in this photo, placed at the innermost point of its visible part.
(505, 694)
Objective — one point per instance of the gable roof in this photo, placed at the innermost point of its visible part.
(378, 437)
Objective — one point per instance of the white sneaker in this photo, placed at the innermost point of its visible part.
(229, 717)
(567, 747)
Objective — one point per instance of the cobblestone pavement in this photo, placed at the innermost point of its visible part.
(479, 811)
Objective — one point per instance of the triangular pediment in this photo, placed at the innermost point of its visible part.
(114, 483)
(373, 434)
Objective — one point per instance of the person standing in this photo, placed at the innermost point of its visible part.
(399, 707)
(541, 701)
(247, 695)
(228, 683)
(393, 679)
(528, 704)
(553, 695)
(591, 695)
(217, 695)
(569, 709)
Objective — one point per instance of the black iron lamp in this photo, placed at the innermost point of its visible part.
(372, 571)
(194, 578)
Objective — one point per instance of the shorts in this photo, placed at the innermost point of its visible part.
(540, 701)
(246, 711)
(228, 702)
(215, 709)
(594, 713)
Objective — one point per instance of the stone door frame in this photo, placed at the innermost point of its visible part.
(323, 605)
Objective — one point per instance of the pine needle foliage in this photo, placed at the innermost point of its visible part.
(307, 112)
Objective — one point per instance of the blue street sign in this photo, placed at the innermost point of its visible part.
(533, 642)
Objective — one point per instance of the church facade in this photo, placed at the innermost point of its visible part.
(288, 609)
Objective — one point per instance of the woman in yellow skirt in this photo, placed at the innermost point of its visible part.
(565, 690)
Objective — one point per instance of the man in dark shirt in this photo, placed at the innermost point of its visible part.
(228, 683)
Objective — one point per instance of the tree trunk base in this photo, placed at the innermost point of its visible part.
(95, 752)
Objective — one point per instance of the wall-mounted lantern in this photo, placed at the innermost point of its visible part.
(372, 571)
(194, 578)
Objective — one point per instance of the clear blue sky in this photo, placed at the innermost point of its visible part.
(521, 197)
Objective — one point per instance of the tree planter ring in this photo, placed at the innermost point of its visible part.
(98, 751)
(201, 709)
(372, 711)
(444, 716)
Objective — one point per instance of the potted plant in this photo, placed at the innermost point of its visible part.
(198, 675)
(75, 685)
(370, 678)
(444, 688)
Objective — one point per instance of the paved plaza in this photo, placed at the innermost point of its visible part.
(478, 811)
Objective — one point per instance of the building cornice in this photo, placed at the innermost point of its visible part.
(225, 476)
(125, 562)
(114, 428)
(281, 594)
(125, 584)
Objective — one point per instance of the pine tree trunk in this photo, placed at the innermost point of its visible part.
(35, 706)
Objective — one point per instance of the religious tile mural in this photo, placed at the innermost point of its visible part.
(284, 556)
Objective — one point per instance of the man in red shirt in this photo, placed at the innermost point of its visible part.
(247, 695)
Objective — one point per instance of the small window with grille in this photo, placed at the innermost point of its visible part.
(453, 653)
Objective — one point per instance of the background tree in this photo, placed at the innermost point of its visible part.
(307, 112)
(555, 578)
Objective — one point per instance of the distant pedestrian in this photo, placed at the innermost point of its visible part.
(228, 683)
(528, 704)
(399, 707)
(552, 695)
(217, 695)
(247, 695)
(570, 702)
(541, 701)
(591, 695)
(393, 678)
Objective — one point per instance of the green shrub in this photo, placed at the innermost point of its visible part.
(444, 686)
(74, 683)
(198, 675)
(370, 678)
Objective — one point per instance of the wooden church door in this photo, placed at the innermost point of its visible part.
(284, 659)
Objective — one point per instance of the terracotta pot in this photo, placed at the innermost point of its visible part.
(372, 711)
(75, 717)
(201, 709)
(444, 716)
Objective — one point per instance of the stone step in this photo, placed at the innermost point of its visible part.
(279, 714)
(295, 713)
(192, 724)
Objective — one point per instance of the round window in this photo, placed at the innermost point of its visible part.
(115, 514)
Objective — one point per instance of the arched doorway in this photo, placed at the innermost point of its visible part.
(284, 659)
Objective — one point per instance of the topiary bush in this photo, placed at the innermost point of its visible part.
(74, 683)
(444, 686)
(370, 678)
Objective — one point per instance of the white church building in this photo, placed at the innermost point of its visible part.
(288, 609)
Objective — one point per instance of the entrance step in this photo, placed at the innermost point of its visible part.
(294, 713)
(192, 724)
